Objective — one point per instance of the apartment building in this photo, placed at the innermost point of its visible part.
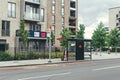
(9, 23)
(114, 17)
(62, 14)
(35, 16)
(34, 13)
(39, 16)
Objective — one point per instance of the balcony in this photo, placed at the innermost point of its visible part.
(72, 23)
(72, 5)
(118, 16)
(72, 13)
(33, 1)
(73, 0)
(32, 16)
(34, 34)
(118, 24)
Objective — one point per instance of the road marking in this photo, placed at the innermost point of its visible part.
(104, 68)
(45, 76)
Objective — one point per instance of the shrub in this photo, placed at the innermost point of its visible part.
(21, 56)
(4, 56)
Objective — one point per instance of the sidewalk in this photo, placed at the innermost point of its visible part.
(28, 62)
(105, 55)
(45, 61)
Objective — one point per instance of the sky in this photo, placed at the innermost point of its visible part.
(92, 12)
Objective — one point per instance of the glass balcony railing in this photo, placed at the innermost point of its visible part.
(32, 16)
(33, 1)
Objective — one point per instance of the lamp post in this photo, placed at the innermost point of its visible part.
(49, 39)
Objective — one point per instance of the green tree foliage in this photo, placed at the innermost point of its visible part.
(113, 39)
(66, 34)
(23, 34)
(99, 36)
(52, 37)
(80, 32)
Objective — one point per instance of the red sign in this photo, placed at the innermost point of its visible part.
(43, 34)
(60, 39)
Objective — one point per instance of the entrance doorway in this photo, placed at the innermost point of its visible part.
(2, 47)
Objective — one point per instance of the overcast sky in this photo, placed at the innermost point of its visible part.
(91, 12)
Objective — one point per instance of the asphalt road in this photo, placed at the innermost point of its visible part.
(86, 70)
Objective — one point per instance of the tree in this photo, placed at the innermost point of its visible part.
(22, 33)
(52, 37)
(80, 32)
(99, 35)
(113, 38)
(66, 34)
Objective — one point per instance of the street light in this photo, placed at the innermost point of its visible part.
(49, 51)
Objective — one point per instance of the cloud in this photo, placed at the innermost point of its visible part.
(90, 29)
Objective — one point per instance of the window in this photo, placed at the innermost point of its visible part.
(117, 24)
(53, 9)
(53, 28)
(42, 14)
(35, 27)
(11, 9)
(5, 28)
(62, 21)
(53, 1)
(53, 6)
(62, 1)
(53, 19)
(62, 11)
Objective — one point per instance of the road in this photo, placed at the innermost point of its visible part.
(85, 70)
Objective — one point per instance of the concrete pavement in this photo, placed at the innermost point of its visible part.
(28, 62)
(105, 55)
(95, 56)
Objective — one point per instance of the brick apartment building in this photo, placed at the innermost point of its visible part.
(62, 14)
(39, 15)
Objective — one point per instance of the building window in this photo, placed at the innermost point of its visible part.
(53, 6)
(62, 11)
(35, 27)
(62, 1)
(42, 14)
(63, 21)
(5, 28)
(117, 24)
(53, 9)
(53, 19)
(53, 28)
(11, 9)
(116, 15)
(53, 1)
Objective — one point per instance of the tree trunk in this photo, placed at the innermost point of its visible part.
(100, 52)
(116, 50)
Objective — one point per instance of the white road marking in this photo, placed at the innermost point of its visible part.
(45, 76)
(104, 68)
